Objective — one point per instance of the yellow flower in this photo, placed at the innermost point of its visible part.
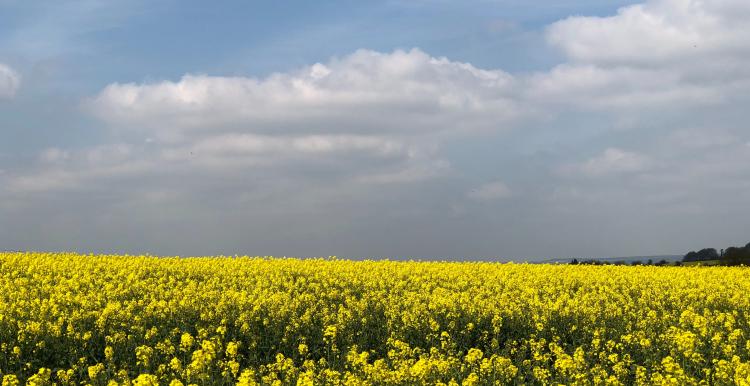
(471, 380)
(186, 342)
(232, 349)
(95, 370)
(146, 380)
(175, 364)
(474, 355)
(10, 380)
(41, 378)
(109, 352)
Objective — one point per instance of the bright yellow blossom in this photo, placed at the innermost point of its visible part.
(71, 319)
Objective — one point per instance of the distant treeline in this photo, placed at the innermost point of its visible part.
(623, 262)
(729, 256)
(707, 256)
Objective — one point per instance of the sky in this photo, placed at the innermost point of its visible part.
(408, 129)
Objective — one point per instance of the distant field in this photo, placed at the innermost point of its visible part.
(73, 319)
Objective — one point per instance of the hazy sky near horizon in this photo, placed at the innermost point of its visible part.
(441, 129)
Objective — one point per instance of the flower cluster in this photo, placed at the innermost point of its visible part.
(71, 319)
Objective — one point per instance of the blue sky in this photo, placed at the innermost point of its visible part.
(430, 129)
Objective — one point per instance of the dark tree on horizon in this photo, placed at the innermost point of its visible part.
(728, 256)
(702, 255)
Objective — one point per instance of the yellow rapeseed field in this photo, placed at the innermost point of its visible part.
(141, 320)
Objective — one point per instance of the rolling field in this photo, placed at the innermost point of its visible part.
(73, 319)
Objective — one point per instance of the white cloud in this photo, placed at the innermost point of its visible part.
(253, 144)
(414, 172)
(10, 81)
(657, 32)
(491, 191)
(612, 161)
(590, 87)
(366, 118)
(337, 158)
(662, 53)
(403, 92)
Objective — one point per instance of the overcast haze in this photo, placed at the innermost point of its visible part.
(407, 128)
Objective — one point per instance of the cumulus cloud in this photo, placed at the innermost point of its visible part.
(365, 118)
(612, 161)
(657, 32)
(10, 81)
(403, 92)
(679, 72)
(490, 191)
(662, 53)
